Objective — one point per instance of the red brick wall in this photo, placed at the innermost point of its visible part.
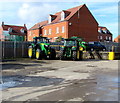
(117, 39)
(83, 25)
(53, 30)
(32, 33)
(104, 37)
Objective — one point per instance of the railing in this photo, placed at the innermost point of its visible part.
(112, 46)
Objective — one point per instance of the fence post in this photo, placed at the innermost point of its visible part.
(23, 49)
(14, 49)
(3, 49)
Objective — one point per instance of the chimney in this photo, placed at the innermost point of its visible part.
(24, 25)
(2, 23)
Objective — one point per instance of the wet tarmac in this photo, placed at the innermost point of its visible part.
(102, 85)
(101, 88)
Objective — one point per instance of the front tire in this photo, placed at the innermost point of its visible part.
(38, 54)
(30, 52)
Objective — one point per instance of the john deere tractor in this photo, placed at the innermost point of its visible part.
(40, 48)
(72, 49)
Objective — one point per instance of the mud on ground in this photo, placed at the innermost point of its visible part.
(55, 80)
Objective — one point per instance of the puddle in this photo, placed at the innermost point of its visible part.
(9, 84)
(27, 81)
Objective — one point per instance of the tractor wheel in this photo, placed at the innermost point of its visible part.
(79, 55)
(74, 55)
(38, 54)
(61, 56)
(52, 54)
(30, 52)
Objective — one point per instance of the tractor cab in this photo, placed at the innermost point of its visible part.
(70, 42)
(41, 40)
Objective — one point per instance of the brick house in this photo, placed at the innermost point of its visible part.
(77, 21)
(117, 39)
(104, 34)
(13, 33)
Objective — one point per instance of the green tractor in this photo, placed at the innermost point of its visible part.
(72, 49)
(40, 48)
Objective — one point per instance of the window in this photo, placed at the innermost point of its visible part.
(22, 30)
(99, 30)
(100, 37)
(62, 15)
(109, 38)
(45, 32)
(106, 37)
(30, 33)
(50, 31)
(10, 29)
(57, 30)
(105, 31)
(63, 29)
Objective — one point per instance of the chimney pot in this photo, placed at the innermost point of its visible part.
(2, 23)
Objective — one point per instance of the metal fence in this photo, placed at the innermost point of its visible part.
(112, 46)
(12, 49)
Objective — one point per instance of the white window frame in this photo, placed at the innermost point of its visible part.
(98, 37)
(101, 37)
(30, 33)
(50, 31)
(105, 31)
(106, 37)
(110, 38)
(63, 29)
(45, 32)
(57, 30)
(10, 29)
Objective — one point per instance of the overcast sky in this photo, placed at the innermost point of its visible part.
(29, 12)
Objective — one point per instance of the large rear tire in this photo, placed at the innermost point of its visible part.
(38, 54)
(74, 56)
(30, 52)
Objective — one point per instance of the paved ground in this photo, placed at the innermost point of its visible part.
(55, 80)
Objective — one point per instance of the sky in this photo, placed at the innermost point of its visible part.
(30, 12)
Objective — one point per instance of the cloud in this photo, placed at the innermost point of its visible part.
(33, 13)
(106, 10)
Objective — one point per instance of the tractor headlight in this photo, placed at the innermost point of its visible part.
(81, 48)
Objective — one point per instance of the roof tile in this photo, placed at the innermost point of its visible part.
(70, 11)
